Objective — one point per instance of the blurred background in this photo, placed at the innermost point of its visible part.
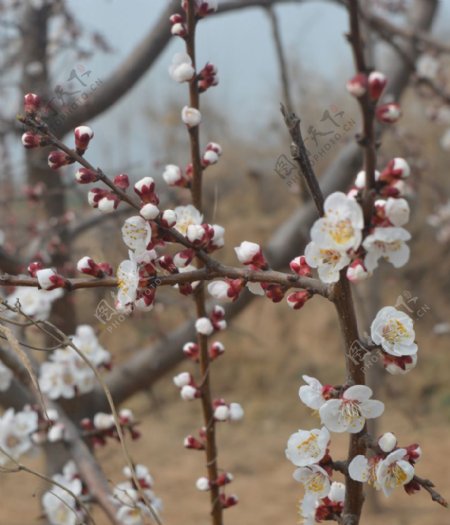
(269, 346)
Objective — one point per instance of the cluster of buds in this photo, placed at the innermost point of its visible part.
(179, 26)
(88, 266)
(103, 427)
(227, 412)
(187, 385)
(212, 153)
(372, 86)
(191, 351)
(104, 200)
(207, 77)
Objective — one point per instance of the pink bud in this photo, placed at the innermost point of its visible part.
(377, 83)
(209, 157)
(414, 453)
(31, 140)
(179, 29)
(357, 86)
(33, 267)
(89, 267)
(399, 365)
(397, 168)
(168, 218)
(388, 113)
(183, 258)
(300, 266)
(228, 501)
(191, 350)
(296, 300)
(223, 479)
(251, 253)
(94, 196)
(108, 203)
(85, 176)
(31, 103)
(216, 350)
(193, 443)
(357, 272)
(173, 176)
(83, 135)
(122, 181)
(176, 18)
(48, 279)
(57, 159)
(145, 188)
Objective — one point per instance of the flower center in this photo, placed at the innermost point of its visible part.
(396, 476)
(315, 483)
(330, 257)
(342, 231)
(309, 446)
(394, 331)
(349, 411)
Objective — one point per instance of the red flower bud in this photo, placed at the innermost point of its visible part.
(83, 135)
(57, 159)
(122, 181)
(31, 103)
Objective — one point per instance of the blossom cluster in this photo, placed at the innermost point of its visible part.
(131, 508)
(66, 374)
(390, 466)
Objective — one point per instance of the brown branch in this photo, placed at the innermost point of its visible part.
(199, 297)
(300, 155)
(367, 107)
(203, 274)
(281, 59)
(428, 485)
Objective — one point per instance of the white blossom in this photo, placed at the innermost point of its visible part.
(394, 471)
(388, 243)
(329, 262)
(315, 479)
(136, 233)
(219, 290)
(127, 284)
(181, 69)
(311, 394)
(394, 331)
(185, 216)
(34, 302)
(16, 429)
(306, 447)
(340, 227)
(149, 211)
(349, 413)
